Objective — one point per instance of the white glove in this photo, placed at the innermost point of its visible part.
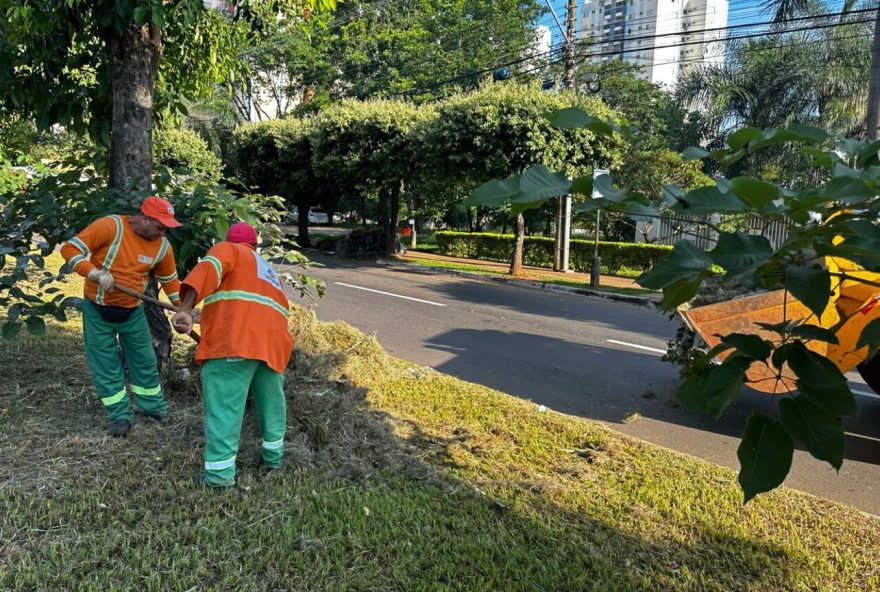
(103, 277)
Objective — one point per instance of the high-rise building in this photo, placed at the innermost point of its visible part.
(663, 37)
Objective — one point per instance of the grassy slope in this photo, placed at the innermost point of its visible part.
(398, 478)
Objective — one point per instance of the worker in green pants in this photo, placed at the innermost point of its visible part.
(102, 353)
(245, 347)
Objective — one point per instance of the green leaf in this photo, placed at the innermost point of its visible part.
(221, 226)
(686, 262)
(725, 384)
(539, 184)
(819, 380)
(847, 189)
(569, 118)
(494, 193)
(709, 200)
(811, 285)
(765, 454)
(679, 292)
(603, 185)
(694, 153)
(815, 333)
(755, 192)
(743, 136)
(797, 133)
(36, 326)
(820, 431)
(740, 253)
(748, 345)
(10, 330)
(583, 186)
(692, 393)
(575, 118)
(870, 334)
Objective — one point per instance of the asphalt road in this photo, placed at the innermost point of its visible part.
(583, 356)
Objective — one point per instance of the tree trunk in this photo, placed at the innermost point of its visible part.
(383, 218)
(302, 225)
(516, 262)
(134, 58)
(873, 119)
(391, 230)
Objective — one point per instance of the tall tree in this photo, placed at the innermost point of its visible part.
(107, 67)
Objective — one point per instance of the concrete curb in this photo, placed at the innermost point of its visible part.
(649, 301)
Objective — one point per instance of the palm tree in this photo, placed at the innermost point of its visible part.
(786, 9)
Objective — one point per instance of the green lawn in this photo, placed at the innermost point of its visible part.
(398, 478)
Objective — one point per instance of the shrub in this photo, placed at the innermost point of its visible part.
(627, 259)
(185, 149)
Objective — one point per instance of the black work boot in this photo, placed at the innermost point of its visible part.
(120, 428)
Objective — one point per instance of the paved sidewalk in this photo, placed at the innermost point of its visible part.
(534, 277)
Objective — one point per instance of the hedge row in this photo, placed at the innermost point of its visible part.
(616, 258)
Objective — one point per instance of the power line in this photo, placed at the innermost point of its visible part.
(583, 57)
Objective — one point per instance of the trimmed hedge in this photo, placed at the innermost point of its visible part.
(624, 259)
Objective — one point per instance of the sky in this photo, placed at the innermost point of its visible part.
(740, 12)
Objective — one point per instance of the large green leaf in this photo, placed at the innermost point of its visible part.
(748, 345)
(755, 192)
(692, 393)
(494, 193)
(764, 454)
(820, 431)
(797, 133)
(811, 285)
(583, 185)
(686, 262)
(743, 136)
(819, 380)
(725, 384)
(606, 189)
(679, 292)
(870, 334)
(740, 253)
(847, 190)
(815, 333)
(575, 118)
(538, 184)
(709, 200)
(694, 153)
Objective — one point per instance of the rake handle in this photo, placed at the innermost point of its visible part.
(167, 306)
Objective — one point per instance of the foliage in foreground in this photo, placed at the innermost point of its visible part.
(837, 218)
(398, 478)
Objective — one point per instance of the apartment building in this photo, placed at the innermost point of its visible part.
(663, 37)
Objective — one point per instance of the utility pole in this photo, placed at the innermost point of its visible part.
(873, 119)
(563, 205)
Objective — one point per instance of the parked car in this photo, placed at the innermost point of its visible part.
(318, 216)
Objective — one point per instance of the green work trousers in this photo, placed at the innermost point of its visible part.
(102, 339)
(226, 383)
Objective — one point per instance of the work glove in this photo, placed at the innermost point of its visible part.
(103, 278)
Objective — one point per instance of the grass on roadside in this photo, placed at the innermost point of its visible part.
(545, 279)
(397, 478)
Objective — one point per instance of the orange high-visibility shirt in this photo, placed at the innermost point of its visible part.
(244, 309)
(110, 243)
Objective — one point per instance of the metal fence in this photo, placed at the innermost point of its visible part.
(668, 230)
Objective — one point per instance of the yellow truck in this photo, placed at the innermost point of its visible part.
(852, 305)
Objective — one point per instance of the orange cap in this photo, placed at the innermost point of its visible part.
(161, 210)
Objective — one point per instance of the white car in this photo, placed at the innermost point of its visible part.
(318, 216)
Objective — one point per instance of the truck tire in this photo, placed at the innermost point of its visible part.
(870, 371)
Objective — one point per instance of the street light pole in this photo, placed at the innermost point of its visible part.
(563, 204)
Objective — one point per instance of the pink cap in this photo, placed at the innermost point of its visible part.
(242, 232)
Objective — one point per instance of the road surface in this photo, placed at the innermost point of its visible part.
(588, 357)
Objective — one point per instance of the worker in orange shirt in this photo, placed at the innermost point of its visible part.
(124, 250)
(245, 347)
